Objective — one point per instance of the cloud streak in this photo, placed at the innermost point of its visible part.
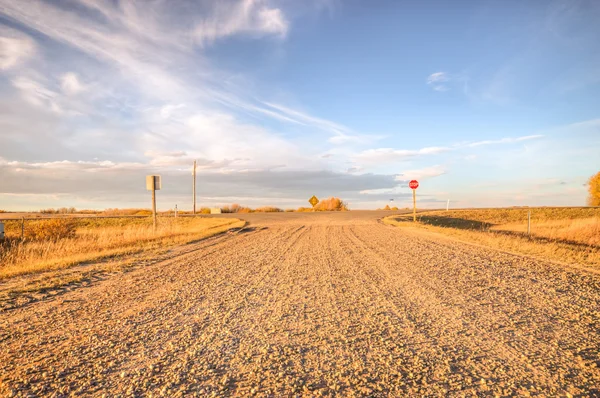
(391, 155)
(508, 140)
(438, 80)
(386, 155)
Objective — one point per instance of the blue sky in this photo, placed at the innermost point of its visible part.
(486, 103)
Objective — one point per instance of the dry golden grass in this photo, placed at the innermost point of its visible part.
(127, 212)
(564, 234)
(514, 215)
(268, 209)
(96, 238)
(584, 230)
(236, 208)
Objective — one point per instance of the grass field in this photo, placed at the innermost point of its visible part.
(564, 234)
(60, 243)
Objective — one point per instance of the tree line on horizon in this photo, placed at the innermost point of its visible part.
(330, 204)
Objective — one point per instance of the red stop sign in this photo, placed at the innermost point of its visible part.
(414, 184)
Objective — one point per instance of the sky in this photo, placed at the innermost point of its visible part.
(486, 103)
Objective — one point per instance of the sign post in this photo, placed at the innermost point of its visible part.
(153, 184)
(194, 186)
(414, 184)
(313, 201)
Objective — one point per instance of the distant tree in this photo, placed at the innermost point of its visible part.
(594, 190)
(331, 204)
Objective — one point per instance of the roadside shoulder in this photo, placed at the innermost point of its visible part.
(475, 239)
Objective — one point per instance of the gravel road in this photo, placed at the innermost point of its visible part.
(315, 305)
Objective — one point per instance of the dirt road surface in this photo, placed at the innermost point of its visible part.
(315, 305)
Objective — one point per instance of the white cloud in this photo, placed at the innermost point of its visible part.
(387, 155)
(70, 84)
(15, 48)
(391, 155)
(247, 16)
(341, 132)
(507, 140)
(436, 81)
(381, 191)
(168, 110)
(421, 174)
(36, 93)
(437, 77)
(110, 183)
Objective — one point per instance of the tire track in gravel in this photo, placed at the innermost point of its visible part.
(559, 310)
(220, 341)
(518, 339)
(386, 363)
(426, 363)
(463, 373)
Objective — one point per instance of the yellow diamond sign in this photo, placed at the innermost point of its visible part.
(313, 201)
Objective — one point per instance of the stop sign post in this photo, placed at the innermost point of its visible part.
(414, 184)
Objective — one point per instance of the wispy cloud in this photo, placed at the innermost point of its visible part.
(36, 93)
(341, 134)
(154, 72)
(15, 48)
(381, 155)
(507, 140)
(71, 85)
(248, 16)
(390, 155)
(419, 174)
(438, 81)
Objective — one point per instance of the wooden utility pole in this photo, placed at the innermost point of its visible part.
(194, 185)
